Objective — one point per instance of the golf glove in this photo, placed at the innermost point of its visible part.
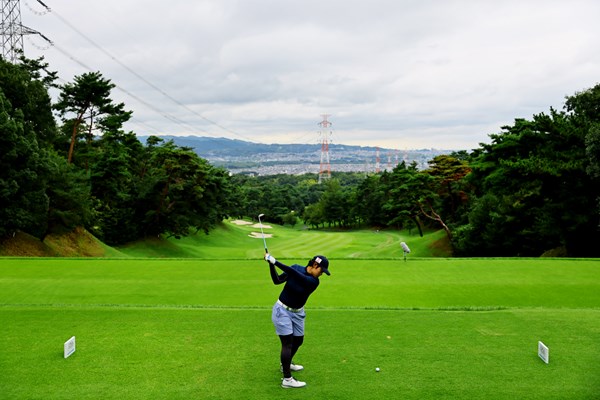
(270, 259)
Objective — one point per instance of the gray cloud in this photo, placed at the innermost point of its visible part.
(400, 74)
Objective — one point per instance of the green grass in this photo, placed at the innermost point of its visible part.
(180, 328)
(228, 354)
(229, 241)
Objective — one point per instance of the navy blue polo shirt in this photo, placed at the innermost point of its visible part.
(299, 284)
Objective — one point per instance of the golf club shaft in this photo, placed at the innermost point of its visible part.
(262, 233)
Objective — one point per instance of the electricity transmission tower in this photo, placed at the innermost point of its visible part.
(325, 167)
(12, 31)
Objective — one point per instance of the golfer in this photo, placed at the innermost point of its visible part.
(288, 312)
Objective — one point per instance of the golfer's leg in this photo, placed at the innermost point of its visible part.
(298, 331)
(284, 329)
(286, 354)
(296, 343)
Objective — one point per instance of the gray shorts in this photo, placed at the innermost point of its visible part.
(288, 322)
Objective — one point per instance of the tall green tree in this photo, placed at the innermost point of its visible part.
(335, 207)
(314, 215)
(26, 85)
(23, 198)
(69, 193)
(182, 192)
(409, 196)
(592, 149)
(532, 192)
(88, 101)
(369, 199)
(449, 173)
(44, 193)
(114, 178)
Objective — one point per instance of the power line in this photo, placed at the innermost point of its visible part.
(137, 75)
(133, 119)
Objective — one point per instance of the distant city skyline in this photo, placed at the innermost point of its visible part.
(254, 158)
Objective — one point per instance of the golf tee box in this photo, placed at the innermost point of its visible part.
(543, 352)
(69, 347)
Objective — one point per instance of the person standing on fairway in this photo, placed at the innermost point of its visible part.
(288, 312)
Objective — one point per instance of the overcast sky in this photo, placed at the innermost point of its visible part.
(392, 73)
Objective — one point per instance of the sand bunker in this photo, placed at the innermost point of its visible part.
(240, 222)
(264, 226)
(258, 235)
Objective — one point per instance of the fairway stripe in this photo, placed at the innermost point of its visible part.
(217, 307)
(200, 307)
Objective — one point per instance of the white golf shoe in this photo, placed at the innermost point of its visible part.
(293, 367)
(288, 383)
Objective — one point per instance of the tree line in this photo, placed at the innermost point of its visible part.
(533, 190)
(85, 170)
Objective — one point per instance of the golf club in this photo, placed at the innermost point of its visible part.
(261, 231)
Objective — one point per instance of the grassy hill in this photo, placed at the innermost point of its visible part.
(237, 239)
(242, 239)
(76, 243)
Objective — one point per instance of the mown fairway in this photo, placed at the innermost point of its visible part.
(200, 328)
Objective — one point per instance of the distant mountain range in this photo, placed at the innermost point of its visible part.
(240, 156)
(208, 146)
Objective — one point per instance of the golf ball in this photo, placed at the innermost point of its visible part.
(377, 369)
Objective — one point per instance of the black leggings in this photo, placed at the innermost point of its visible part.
(289, 347)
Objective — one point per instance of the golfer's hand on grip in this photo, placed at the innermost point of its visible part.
(269, 258)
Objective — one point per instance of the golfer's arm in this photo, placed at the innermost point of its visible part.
(277, 279)
(290, 271)
(285, 268)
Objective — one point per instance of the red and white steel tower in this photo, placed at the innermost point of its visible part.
(325, 135)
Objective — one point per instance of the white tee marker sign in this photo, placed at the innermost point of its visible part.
(543, 352)
(69, 347)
